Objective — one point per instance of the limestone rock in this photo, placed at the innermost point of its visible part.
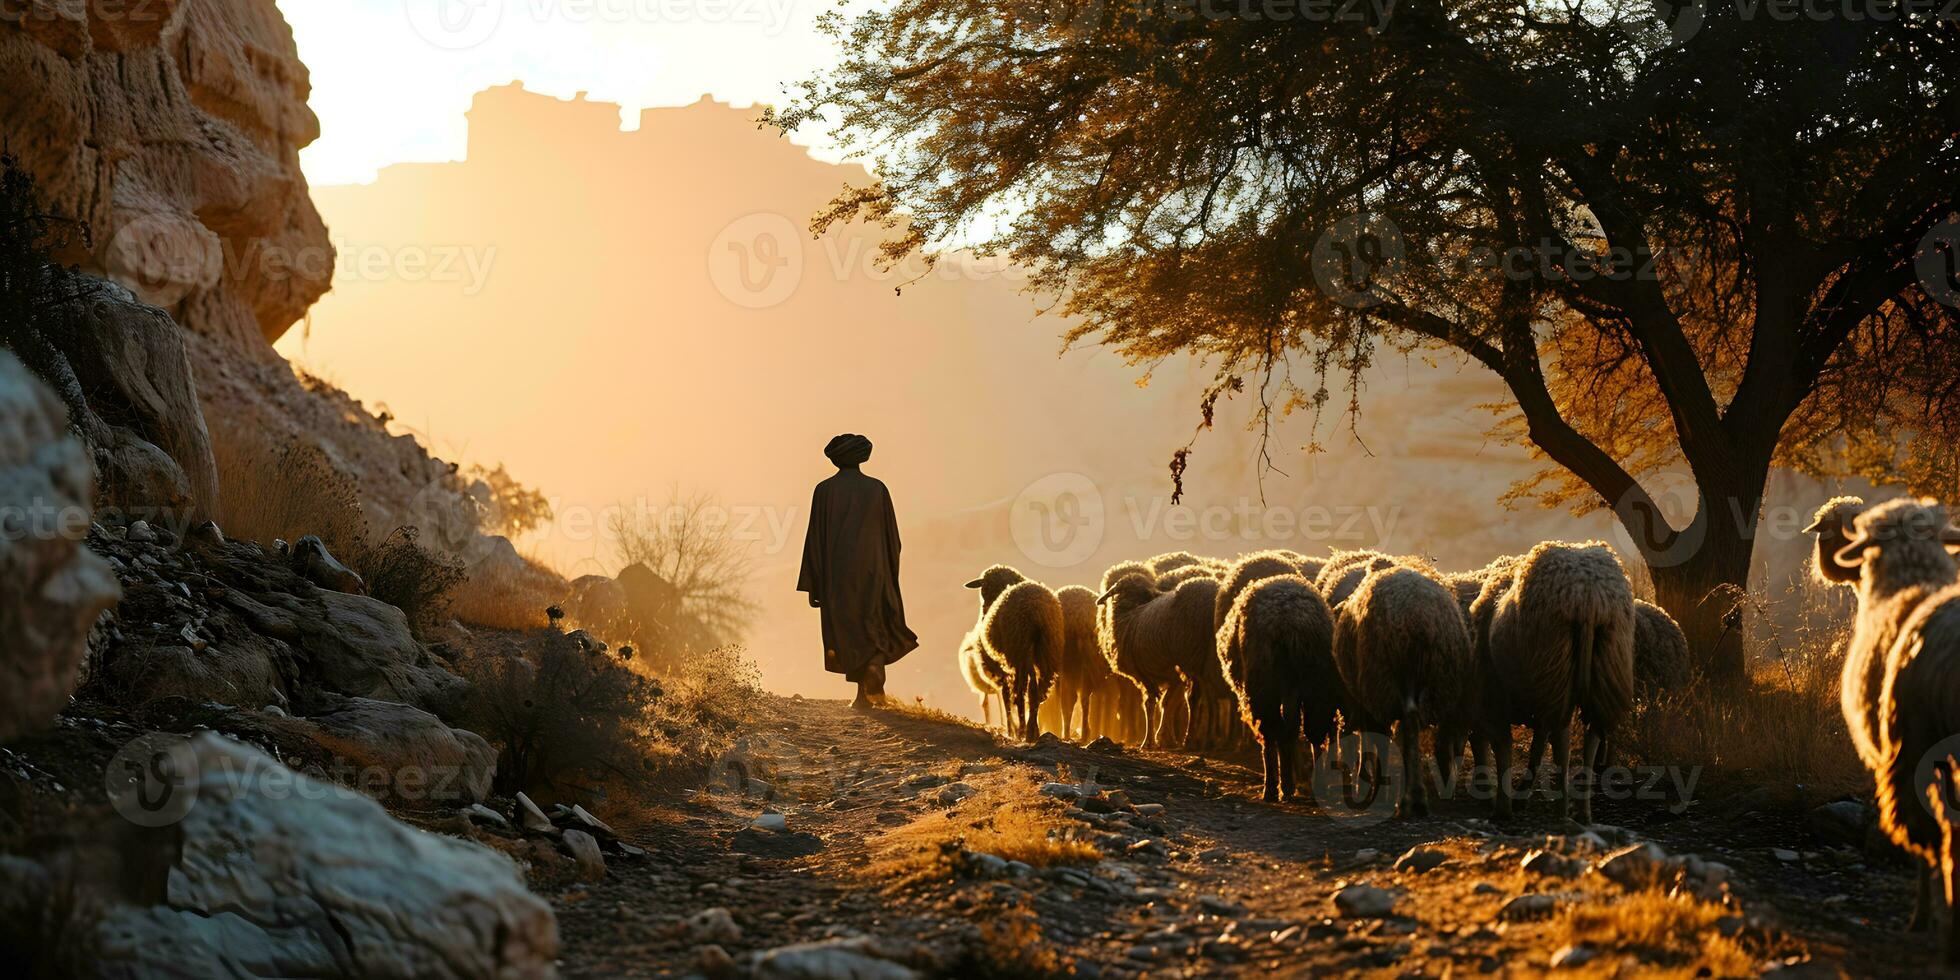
(831, 959)
(1364, 902)
(283, 876)
(585, 850)
(407, 754)
(52, 588)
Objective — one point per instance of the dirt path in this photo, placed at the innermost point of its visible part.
(1198, 877)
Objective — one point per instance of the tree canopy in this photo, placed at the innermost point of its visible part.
(1682, 236)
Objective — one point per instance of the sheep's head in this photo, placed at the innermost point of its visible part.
(993, 582)
(1130, 591)
(1899, 544)
(1832, 525)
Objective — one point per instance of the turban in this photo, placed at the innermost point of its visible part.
(848, 449)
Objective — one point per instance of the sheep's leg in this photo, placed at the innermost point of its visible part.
(986, 711)
(1289, 747)
(1153, 716)
(1501, 749)
(1409, 734)
(1535, 761)
(1594, 744)
(1561, 740)
(1269, 757)
(1923, 913)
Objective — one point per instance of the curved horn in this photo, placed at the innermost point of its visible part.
(1852, 555)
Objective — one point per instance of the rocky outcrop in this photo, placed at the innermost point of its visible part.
(52, 589)
(279, 875)
(173, 128)
(209, 619)
(122, 369)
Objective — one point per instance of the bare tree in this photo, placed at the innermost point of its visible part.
(691, 545)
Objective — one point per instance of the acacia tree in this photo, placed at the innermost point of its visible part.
(1697, 241)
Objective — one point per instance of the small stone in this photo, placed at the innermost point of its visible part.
(1061, 791)
(1486, 888)
(1364, 902)
(1525, 907)
(585, 850)
(713, 925)
(141, 533)
(274, 710)
(1148, 845)
(1634, 867)
(713, 961)
(1783, 854)
(589, 820)
(532, 817)
(772, 821)
(1553, 865)
(477, 811)
(1843, 821)
(984, 865)
(952, 794)
(1150, 809)
(1215, 905)
(1366, 855)
(1420, 860)
(1573, 955)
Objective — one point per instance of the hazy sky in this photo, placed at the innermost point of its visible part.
(391, 78)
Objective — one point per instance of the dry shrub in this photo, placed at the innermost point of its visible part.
(711, 696)
(1673, 935)
(419, 581)
(285, 489)
(1009, 818)
(1009, 945)
(561, 714)
(1783, 727)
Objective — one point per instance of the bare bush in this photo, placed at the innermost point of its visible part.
(418, 580)
(285, 489)
(562, 712)
(689, 545)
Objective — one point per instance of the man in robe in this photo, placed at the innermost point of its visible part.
(850, 570)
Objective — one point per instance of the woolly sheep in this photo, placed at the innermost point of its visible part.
(1908, 623)
(1084, 671)
(1402, 649)
(1555, 635)
(1171, 561)
(1276, 650)
(1864, 662)
(1247, 571)
(1661, 661)
(974, 667)
(1022, 634)
(1158, 639)
(1184, 573)
(1344, 572)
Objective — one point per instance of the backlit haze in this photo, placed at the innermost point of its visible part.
(614, 303)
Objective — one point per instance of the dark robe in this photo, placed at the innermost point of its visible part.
(850, 566)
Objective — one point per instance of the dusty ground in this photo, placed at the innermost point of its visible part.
(1216, 883)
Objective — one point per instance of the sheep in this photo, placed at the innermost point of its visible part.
(1184, 573)
(1022, 634)
(1084, 671)
(1402, 650)
(1247, 571)
(1554, 634)
(1343, 573)
(1661, 661)
(1906, 637)
(1159, 639)
(1171, 561)
(974, 666)
(1276, 650)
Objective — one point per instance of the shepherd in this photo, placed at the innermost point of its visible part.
(850, 570)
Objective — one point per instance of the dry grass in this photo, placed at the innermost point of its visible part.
(1008, 818)
(1671, 935)
(1784, 728)
(1010, 946)
(507, 595)
(285, 489)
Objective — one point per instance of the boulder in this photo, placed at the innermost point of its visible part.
(405, 754)
(831, 959)
(280, 875)
(52, 588)
(585, 850)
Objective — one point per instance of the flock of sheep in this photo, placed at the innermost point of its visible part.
(1276, 646)
(1367, 642)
